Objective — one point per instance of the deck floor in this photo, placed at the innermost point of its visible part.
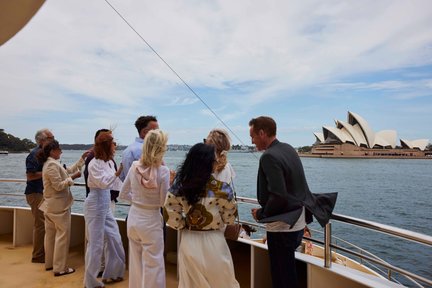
(18, 271)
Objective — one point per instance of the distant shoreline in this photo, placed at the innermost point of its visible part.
(305, 155)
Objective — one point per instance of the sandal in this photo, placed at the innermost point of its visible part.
(112, 280)
(65, 272)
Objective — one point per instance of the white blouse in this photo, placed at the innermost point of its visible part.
(134, 191)
(226, 175)
(102, 175)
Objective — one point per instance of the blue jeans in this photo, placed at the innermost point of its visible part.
(281, 248)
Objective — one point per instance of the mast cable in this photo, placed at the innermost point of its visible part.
(178, 76)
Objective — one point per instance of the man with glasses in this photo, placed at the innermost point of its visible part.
(34, 194)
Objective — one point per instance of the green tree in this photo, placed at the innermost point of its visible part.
(11, 143)
(304, 149)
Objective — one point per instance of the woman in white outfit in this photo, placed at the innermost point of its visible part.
(99, 218)
(146, 186)
(200, 206)
(57, 206)
(222, 169)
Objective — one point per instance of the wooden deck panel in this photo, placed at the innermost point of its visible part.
(18, 271)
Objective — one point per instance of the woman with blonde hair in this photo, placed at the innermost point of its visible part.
(146, 186)
(222, 170)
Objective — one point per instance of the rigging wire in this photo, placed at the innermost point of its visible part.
(175, 73)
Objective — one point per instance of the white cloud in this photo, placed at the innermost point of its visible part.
(77, 53)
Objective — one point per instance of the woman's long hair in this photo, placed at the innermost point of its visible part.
(222, 142)
(102, 147)
(43, 154)
(154, 148)
(194, 172)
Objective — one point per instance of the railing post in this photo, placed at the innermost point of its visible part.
(327, 248)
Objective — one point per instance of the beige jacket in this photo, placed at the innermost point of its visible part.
(56, 181)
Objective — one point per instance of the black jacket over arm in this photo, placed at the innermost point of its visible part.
(282, 189)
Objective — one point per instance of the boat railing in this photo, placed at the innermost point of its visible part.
(364, 255)
(329, 241)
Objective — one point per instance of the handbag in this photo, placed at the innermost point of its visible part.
(232, 231)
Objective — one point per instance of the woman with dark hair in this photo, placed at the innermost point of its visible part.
(101, 224)
(200, 206)
(57, 206)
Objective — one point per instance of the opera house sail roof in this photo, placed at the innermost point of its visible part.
(358, 132)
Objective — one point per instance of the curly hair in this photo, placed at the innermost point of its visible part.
(222, 142)
(102, 147)
(194, 172)
(43, 154)
(143, 121)
(154, 148)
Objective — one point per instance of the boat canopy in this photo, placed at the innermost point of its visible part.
(14, 15)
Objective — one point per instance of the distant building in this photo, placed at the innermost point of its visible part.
(355, 138)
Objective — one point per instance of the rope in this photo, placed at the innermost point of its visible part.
(175, 73)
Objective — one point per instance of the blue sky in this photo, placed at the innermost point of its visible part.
(77, 67)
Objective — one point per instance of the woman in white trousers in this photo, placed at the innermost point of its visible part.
(100, 221)
(146, 186)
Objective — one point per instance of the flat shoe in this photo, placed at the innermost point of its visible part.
(38, 260)
(100, 274)
(49, 269)
(112, 280)
(67, 271)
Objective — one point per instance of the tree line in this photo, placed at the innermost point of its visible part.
(10, 143)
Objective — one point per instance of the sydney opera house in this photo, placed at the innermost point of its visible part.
(355, 138)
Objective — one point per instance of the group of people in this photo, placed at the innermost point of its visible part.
(198, 199)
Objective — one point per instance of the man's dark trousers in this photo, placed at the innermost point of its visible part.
(281, 248)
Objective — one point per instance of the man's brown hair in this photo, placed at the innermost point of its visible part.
(265, 123)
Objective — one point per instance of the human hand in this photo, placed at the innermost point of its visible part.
(119, 170)
(172, 176)
(76, 175)
(254, 213)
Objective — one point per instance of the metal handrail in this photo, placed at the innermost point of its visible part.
(382, 228)
(401, 233)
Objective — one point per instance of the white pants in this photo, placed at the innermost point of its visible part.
(204, 260)
(146, 246)
(102, 225)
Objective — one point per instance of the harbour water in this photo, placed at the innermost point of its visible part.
(395, 192)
